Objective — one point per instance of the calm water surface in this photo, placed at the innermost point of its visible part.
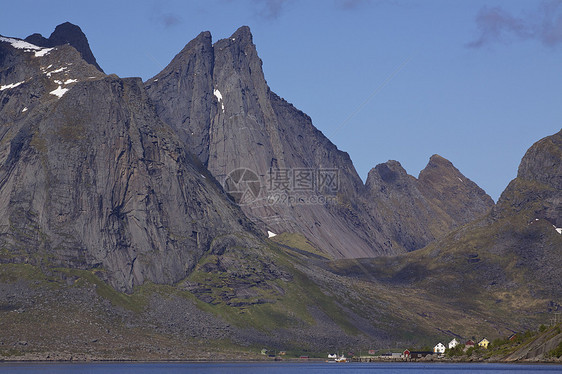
(249, 368)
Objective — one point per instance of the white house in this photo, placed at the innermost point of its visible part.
(453, 343)
(439, 348)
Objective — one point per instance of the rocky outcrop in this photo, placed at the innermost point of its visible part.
(67, 33)
(453, 193)
(539, 348)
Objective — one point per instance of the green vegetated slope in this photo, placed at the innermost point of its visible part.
(502, 271)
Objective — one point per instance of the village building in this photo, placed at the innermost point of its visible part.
(468, 344)
(453, 343)
(484, 343)
(439, 348)
(415, 354)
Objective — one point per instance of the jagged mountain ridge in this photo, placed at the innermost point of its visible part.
(426, 208)
(247, 127)
(90, 177)
(217, 99)
(511, 256)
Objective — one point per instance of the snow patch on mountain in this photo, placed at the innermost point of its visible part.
(27, 47)
(20, 44)
(59, 91)
(59, 70)
(43, 52)
(218, 94)
(12, 85)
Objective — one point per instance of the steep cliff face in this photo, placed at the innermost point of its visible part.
(217, 99)
(65, 119)
(417, 211)
(67, 33)
(90, 177)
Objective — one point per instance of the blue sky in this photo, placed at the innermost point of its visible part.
(477, 82)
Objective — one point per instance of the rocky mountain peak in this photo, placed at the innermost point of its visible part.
(243, 35)
(436, 161)
(390, 173)
(425, 208)
(537, 188)
(67, 33)
(202, 42)
(440, 171)
(543, 162)
(443, 184)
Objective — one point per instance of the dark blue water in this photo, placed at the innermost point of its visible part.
(273, 368)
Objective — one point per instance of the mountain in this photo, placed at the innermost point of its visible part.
(90, 177)
(109, 221)
(216, 98)
(505, 267)
(132, 225)
(66, 33)
(421, 210)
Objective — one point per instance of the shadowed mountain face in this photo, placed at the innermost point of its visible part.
(538, 184)
(216, 98)
(421, 210)
(67, 33)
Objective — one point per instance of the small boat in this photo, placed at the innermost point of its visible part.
(342, 358)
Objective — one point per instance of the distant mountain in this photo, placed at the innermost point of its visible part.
(505, 267)
(414, 212)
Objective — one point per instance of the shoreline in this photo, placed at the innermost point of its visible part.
(72, 360)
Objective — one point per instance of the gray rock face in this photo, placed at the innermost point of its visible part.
(217, 99)
(413, 212)
(94, 178)
(446, 187)
(189, 94)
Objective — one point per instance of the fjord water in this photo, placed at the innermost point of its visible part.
(273, 368)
